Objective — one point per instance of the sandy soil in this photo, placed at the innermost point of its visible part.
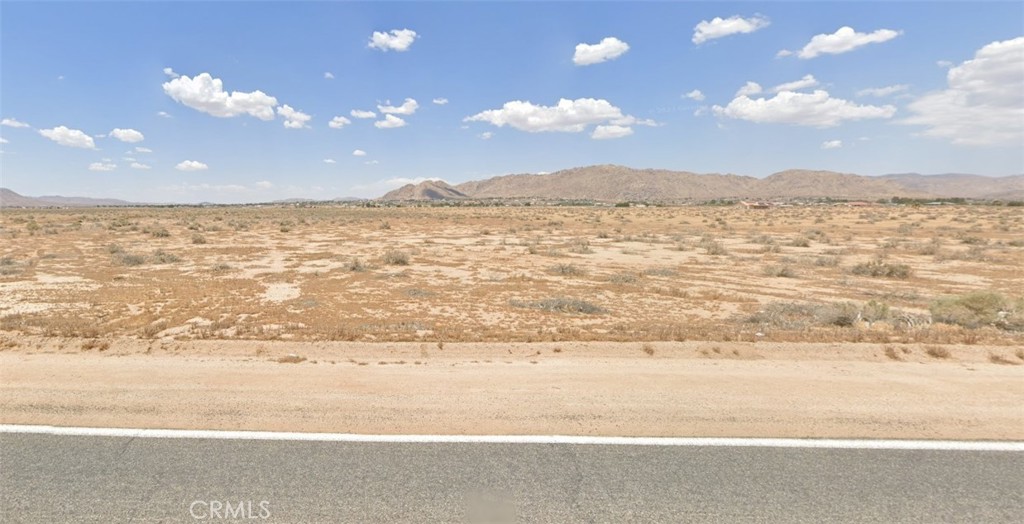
(595, 388)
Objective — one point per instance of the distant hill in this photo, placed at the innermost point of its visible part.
(9, 198)
(426, 190)
(959, 185)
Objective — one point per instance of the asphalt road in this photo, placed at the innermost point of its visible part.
(47, 478)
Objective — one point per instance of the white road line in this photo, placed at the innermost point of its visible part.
(935, 445)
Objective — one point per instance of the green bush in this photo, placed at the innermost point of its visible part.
(979, 309)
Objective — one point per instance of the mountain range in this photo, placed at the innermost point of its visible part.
(619, 183)
(613, 183)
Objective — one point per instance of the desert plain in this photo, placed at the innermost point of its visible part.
(825, 320)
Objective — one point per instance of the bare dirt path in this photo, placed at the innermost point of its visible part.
(682, 389)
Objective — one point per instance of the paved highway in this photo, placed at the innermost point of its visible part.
(59, 478)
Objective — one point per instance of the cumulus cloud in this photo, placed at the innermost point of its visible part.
(338, 122)
(718, 27)
(983, 104)
(140, 149)
(486, 135)
(803, 83)
(610, 131)
(164, 114)
(69, 137)
(570, 116)
(607, 49)
(264, 184)
(205, 93)
(359, 113)
(102, 166)
(293, 118)
(845, 39)
(359, 152)
(138, 165)
(696, 94)
(170, 72)
(329, 161)
(440, 101)
(11, 122)
(191, 165)
(832, 144)
(389, 122)
(816, 109)
(394, 40)
(883, 91)
(127, 135)
(407, 108)
(750, 88)
(329, 75)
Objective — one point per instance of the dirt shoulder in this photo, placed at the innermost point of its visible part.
(682, 389)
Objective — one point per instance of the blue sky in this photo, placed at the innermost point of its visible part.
(462, 91)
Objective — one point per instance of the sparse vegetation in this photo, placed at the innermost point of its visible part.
(882, 269)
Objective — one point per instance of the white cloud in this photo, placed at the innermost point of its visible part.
(328, 75)
(389, 122)
(205, 93)
(440, 101)
(137, 165)
(3, 140)
(329, 161)
(372, 162)
(609, 48)
(750, 88)
(695, 95)
(69, 137)
(191, 165)
(803, 83)
(570, 116)
(11, 122)
(293, 118)
(612, 131)
(983, 103)
(845, 39)
(264, 184)
(832, 144)
(945, 64)
(359, 113)
(407, 108)
(338, 122)
(102, 166)
(486, 135)
(170, 72)
(164, 114)
(783, 53)
(140, 149)
(128, 159)
(883, 91)
(817, 109)
(719, 27)
(127, 135)
(396, 39)
(359, 152)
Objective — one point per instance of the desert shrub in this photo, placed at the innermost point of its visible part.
(566, 270)
(355, 265)
(580, 246)
(163, 257)
(624, 278)
(783, 271)
(979, 309)
(198, 239)
(800, 242)
(882, 269)
(395, 257)
(561, 305)
(937, 352)
(129, 259)
(792, 315)
(161, 233)
(714, 247)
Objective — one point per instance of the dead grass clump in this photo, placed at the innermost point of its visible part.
(996, 358)
(648, 350)
(625, 278)
(100, 345)
(561, 305)
(782, 271)
(198, 239)
(892, 353)
(355, 265)
(396, 257)
(882, 269)
(290, 358)
(129, 259)
(566, 270)
(937, 352)
(163, 257)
